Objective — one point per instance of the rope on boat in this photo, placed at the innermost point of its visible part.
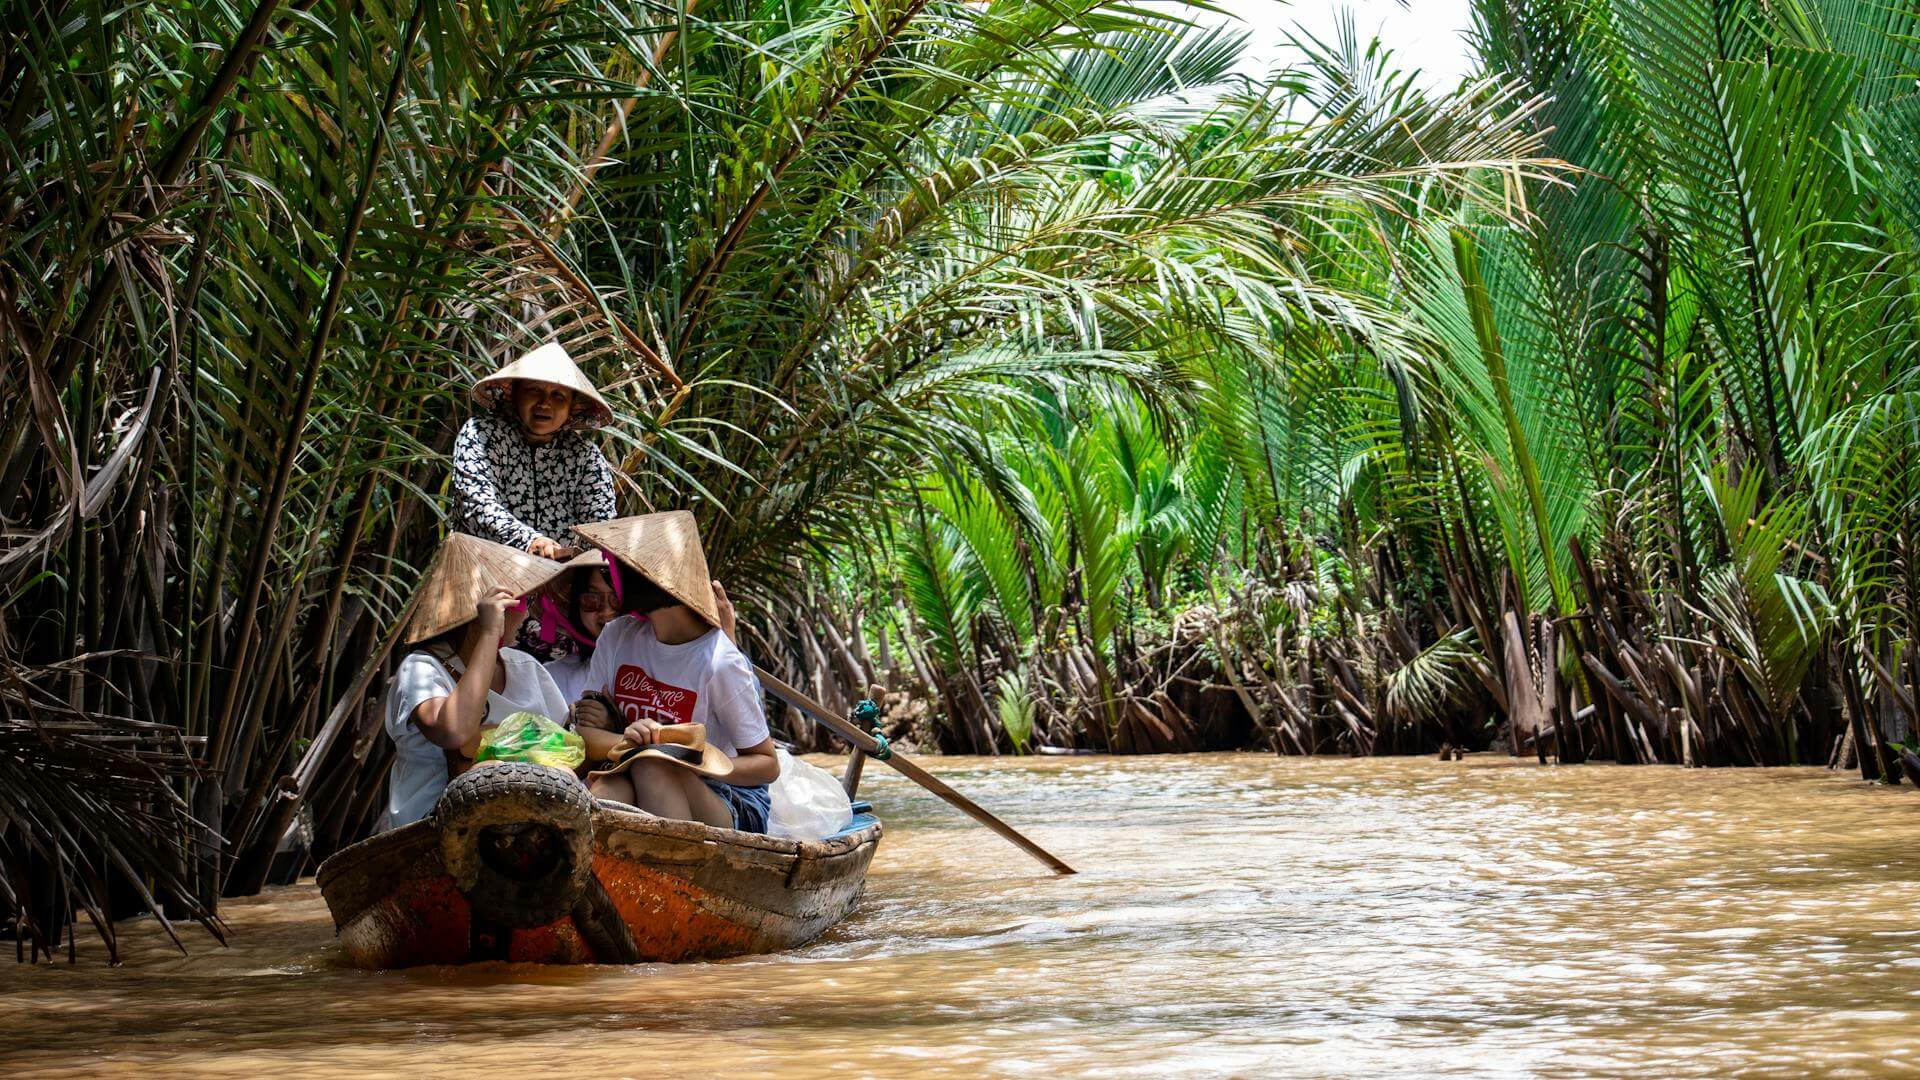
(867, 715)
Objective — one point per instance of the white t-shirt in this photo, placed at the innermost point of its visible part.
(570, 675)
(704, 681)
(419, 767)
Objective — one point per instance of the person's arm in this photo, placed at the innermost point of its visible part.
(599, 501)
(593, 716)
(420, 679)
(600, 743)
(755, 764)
(453, 722)
(739, 711)
(729, 619)
(478, 493)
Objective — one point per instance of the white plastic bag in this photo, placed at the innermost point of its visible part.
(808, 801)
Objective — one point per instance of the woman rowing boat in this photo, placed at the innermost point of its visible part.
(526, 469)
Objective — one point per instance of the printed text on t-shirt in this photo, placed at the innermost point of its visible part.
(642, 697)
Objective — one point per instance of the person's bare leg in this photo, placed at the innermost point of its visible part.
(702, 804)
(617, 788)
(657, 789)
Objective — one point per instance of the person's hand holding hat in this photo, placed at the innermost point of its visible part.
(685, 745)
(643, 732)
(491, 611)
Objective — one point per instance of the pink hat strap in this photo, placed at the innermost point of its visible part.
(550, 619)
(554, 622)
(613, 575)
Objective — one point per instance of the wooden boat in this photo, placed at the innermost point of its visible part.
(518, 862)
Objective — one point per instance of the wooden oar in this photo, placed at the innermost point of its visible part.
(907, 768)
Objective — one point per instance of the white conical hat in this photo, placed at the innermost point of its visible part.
(550, 363)
(666, 548)
(465, 569)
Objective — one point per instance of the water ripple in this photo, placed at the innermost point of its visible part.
(1236, 915)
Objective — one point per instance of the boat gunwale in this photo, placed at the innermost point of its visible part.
(641, 822)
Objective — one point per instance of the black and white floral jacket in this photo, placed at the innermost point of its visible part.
(511, 491)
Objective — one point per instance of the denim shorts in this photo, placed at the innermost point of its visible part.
(749, 804)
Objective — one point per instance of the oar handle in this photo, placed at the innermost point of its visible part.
(866, 743)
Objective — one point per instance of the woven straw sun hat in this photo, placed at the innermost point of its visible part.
(590, 559)
(665, 548)
(684, 745)
(465, 569)
(550, 363)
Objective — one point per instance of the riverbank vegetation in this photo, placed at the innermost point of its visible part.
(1623, 473)
(1016, 356)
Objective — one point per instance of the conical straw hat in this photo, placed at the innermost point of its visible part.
(550, 363)
(465, 569)
(666, 548)
(591, 558)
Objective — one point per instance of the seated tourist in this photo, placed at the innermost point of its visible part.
(579, 606)
(675, 668)
(459, 678)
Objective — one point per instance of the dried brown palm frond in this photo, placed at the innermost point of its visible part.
(89, 805)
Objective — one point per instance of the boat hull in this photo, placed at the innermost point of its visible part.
(681, 891)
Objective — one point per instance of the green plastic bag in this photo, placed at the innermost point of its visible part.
(527, 736)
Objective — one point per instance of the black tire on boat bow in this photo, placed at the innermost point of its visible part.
(518, 840)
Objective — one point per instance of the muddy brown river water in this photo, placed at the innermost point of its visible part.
(1236, 915)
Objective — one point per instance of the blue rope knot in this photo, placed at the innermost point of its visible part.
(867, 715)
